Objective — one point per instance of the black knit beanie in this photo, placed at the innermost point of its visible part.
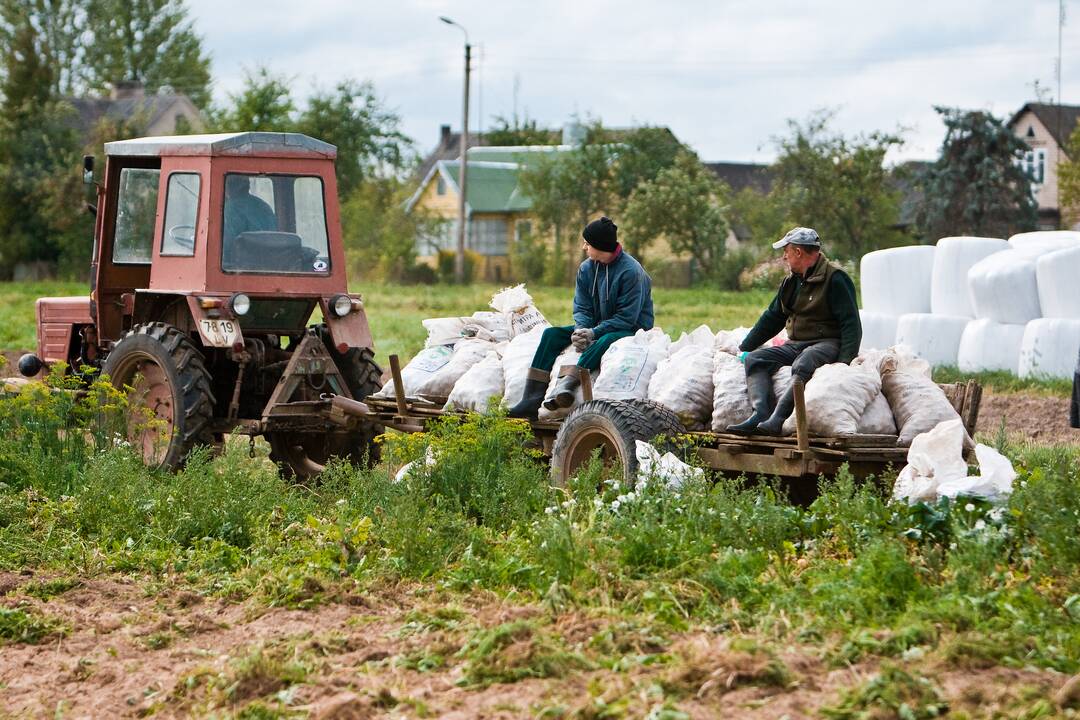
(602, 234)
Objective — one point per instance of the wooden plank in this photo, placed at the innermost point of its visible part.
(399, 386)
(585, 378)
(802, 432)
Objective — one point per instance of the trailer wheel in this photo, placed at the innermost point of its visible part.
(613, 427)
(170, 394)
(663, 420)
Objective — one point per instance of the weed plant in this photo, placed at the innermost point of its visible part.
(854, 572)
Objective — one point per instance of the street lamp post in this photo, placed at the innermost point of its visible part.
(459, 258)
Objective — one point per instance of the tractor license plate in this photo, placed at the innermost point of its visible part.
(219, 333)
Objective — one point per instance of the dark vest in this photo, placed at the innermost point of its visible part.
(807, 307)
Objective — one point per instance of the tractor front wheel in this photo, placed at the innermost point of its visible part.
(170, 401)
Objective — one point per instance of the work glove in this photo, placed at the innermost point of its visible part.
(742, 357)
(582, 338)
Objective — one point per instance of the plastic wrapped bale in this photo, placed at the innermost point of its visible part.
(629, 364)
(1049, 348)
(948, 283)
(878, 330)
(517, 306)
(730, 402)
(683, 380)
(569, 356)
(897, 280)
(918, 404)
(1045, 240)
(419, 370)
(934, 338)
(482, 382)
(1059, 291)
(517, 359)
(1004, 287)
(989, 345)
(836, 397)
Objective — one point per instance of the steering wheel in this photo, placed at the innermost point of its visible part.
(182, 236)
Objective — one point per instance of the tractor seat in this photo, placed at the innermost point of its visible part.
(269, 251)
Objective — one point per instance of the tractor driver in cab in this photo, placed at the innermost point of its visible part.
(243, 211)
(816, 303)
(612, 300)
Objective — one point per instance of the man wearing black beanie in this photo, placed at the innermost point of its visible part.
(612, 300)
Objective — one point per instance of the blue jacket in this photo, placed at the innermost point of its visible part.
(614, 297)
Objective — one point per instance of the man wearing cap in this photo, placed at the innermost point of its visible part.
(816, 303)
(612, 300)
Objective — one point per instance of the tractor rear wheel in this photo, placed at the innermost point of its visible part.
(170, 401)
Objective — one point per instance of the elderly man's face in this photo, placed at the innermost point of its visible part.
(798, 259)
(594, 254)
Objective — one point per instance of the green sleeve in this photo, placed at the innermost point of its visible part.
(768, 325)
(845, 308)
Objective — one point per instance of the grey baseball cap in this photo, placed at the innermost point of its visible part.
(799, 236)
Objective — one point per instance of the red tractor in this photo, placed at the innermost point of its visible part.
(211, 255)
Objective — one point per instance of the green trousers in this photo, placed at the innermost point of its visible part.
(556, 339)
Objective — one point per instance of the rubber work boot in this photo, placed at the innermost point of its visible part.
(536, 383)
(563, 394)
(774, 426)
(759, 388)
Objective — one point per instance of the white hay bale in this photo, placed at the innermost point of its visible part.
(1049, 348)
(1004, 287)
(896, 281)
(934, 338)
(1059, 291)
(878, 330)
(948, 282)
(1045, 240)
(989, 345)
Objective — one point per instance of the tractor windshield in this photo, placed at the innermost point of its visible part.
(274, 224)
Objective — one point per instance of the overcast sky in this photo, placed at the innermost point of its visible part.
(725, 75)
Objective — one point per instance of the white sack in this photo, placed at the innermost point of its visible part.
(948, 283)
(836, 397)
(897, 358)
(878, 330)
(428, 461)
(918, 404)
(1045, 240)
(478, 385)
(936, 468)
(466, 354)
(729, 340)
(1049, 348)
(419, 370)
(1059, 291)
(683, 380)
(483, 324)
(569, 356)
(781, 382)
(629, 364)
(896, 281)
(877, 418)
(989, 345)
(668, 469)
(934, 338)
(517, 359)
(443, 331)
(517, 306)
(730, 402)
(1004, 287)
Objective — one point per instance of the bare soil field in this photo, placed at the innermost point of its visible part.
(131, 650)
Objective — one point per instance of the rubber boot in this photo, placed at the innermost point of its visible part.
(563, 394)
(759, 388)
(535, 386)
(774, 426)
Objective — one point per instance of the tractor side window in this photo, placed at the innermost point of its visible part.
(136, 208)
(274, 224)
(181, 211)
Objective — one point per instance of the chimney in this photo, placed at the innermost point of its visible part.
(444, 135)
(127, 90)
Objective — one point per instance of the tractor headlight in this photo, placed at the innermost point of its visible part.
(240, 304)
(342, 305)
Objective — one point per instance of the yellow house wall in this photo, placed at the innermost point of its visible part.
(1047, 194)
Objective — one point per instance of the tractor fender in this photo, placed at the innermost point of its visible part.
(351, 331)
(58, 323)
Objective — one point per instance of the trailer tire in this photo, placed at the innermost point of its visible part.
(663, 420)
(168, 377)
(613, 427)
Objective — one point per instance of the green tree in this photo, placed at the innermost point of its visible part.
(978, 185)
(838, 186)
(264, 103)
(517, 131)
(639, 156)
(685, 204)
(379, 235)
(366, 133)
(149, 41)
(1069, 176)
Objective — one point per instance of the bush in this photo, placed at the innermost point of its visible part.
(765, 275)
(730, 269)
(445, 265)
